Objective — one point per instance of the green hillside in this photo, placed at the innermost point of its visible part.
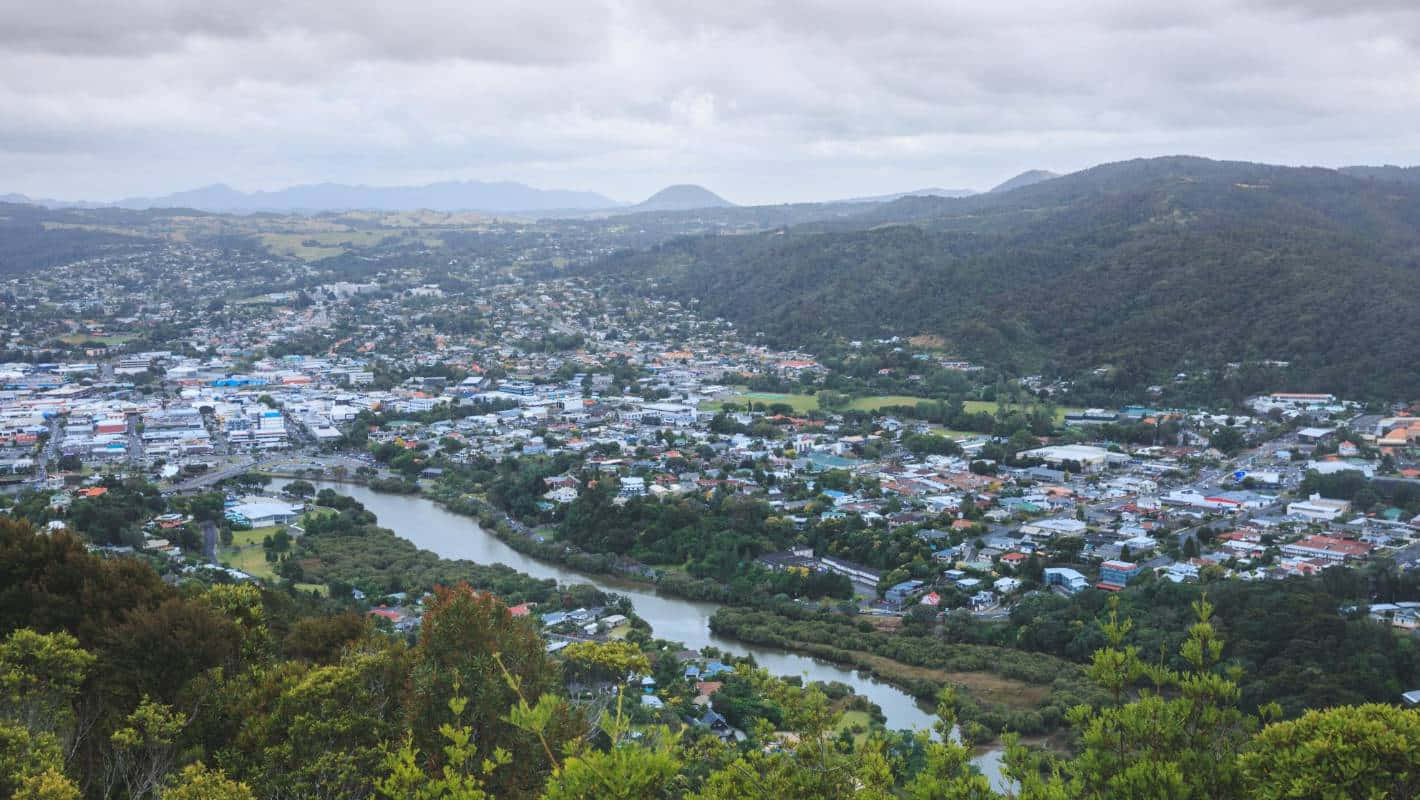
(1151, 266)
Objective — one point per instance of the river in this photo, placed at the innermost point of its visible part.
(434, 528)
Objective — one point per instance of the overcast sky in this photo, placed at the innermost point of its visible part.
(762, 102)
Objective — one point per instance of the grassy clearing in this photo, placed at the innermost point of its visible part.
(253, 536)
(989, 406)
(111, 339)
(854, 719)
(314, 245)
(319, 588)
(250, 559)
(982, 685)
(803, 404)
(246, 553)
(883, 401)
(807, 402)
(79, 226)
(320, 511)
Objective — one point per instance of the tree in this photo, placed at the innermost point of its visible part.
(947, 770)
(463, 774)
(40, 676)
(1190, 547)
(144, 749)
(318, 731)
(611, 661)
(197, 782)
(48, 785)
(464, 638)
(1226, 440)
(300, 488)
(1179, 740)
(811, 765)
(624, 771)
(1368, 751)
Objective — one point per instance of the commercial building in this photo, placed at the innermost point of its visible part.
(1066, 578)
(1318, 508)
(1115, 575)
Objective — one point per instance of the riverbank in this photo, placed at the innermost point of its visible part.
(430, 526)
(1003, 689)
(526, 540)
(993, 701)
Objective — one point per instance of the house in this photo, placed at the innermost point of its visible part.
(1060, 526)
(707, 688)
(717, 724)
(715, 668)
(562, 494)
(1182, 572)
(897, 595)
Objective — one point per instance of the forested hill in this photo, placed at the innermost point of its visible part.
(1151, 266)
(33, 238)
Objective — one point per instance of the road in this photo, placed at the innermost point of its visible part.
(209, 541)
(135, 442)
(51, 450)
(209, 478)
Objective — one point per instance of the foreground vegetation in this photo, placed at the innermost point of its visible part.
(117, 685)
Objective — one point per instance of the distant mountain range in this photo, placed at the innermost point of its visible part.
(501, 196)
(48, 202)
(496, 197)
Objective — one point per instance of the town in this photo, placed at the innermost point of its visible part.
(599, 436)
(395, 386)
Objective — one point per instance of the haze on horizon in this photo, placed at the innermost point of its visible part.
(797, 100)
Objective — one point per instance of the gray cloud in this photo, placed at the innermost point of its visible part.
(764, 102)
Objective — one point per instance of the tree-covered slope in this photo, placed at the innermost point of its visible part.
(1151, 266)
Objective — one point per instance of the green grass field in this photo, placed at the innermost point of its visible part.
(110, 340)
(327, 243)
(246, 553)
(883, 401)
(851, 719)
(807, 402)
